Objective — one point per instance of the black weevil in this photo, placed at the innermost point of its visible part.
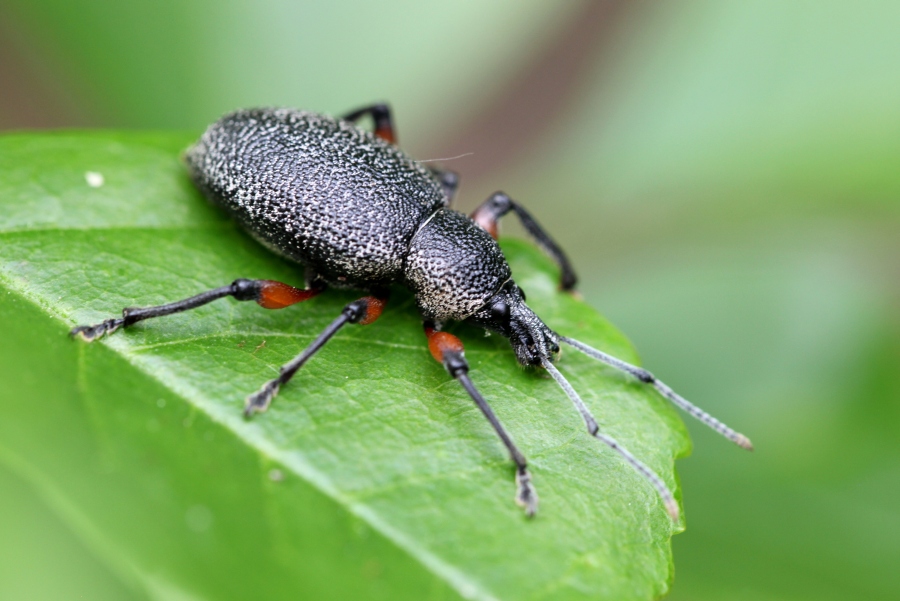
(359, 213)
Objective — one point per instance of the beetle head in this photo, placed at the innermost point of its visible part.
(507, 314)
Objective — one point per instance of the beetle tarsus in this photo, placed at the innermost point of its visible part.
(92, 333)
(260, 400)
(526, 496)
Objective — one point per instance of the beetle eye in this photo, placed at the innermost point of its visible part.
(500, 312)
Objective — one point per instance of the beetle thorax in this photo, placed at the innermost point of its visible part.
(453, 266)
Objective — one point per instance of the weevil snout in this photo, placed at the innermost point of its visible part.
(507, 314)
(536, 343)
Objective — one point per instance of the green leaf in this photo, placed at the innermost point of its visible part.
(372, 476)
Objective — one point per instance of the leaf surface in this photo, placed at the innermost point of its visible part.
(372, 476)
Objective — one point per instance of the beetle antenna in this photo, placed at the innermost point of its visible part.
(664, 493)
(645, 376)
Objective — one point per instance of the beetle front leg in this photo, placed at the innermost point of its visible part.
(447, 349)
(269, 294)
(362, 311)
(498, 205)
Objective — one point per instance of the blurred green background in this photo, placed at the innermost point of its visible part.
(725, 175)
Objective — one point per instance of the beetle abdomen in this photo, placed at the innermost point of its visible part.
(317, 190)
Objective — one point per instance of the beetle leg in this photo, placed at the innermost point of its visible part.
(498, 205)
(362, 311)
(449, 182)
(267, 293)
(381, 115)
(447, 349)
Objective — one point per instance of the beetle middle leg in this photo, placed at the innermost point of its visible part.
(362, 311)
(498, 205)
(269, 294)
(449, 182)
(447, 349)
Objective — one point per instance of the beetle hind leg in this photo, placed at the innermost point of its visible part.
(381, 115)
(269, 294)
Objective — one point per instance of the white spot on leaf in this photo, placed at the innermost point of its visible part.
(94, 179)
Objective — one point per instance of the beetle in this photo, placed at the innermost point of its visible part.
(359, 213)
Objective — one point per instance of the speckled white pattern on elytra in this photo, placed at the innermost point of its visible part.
(352, 207)
(317, 190)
